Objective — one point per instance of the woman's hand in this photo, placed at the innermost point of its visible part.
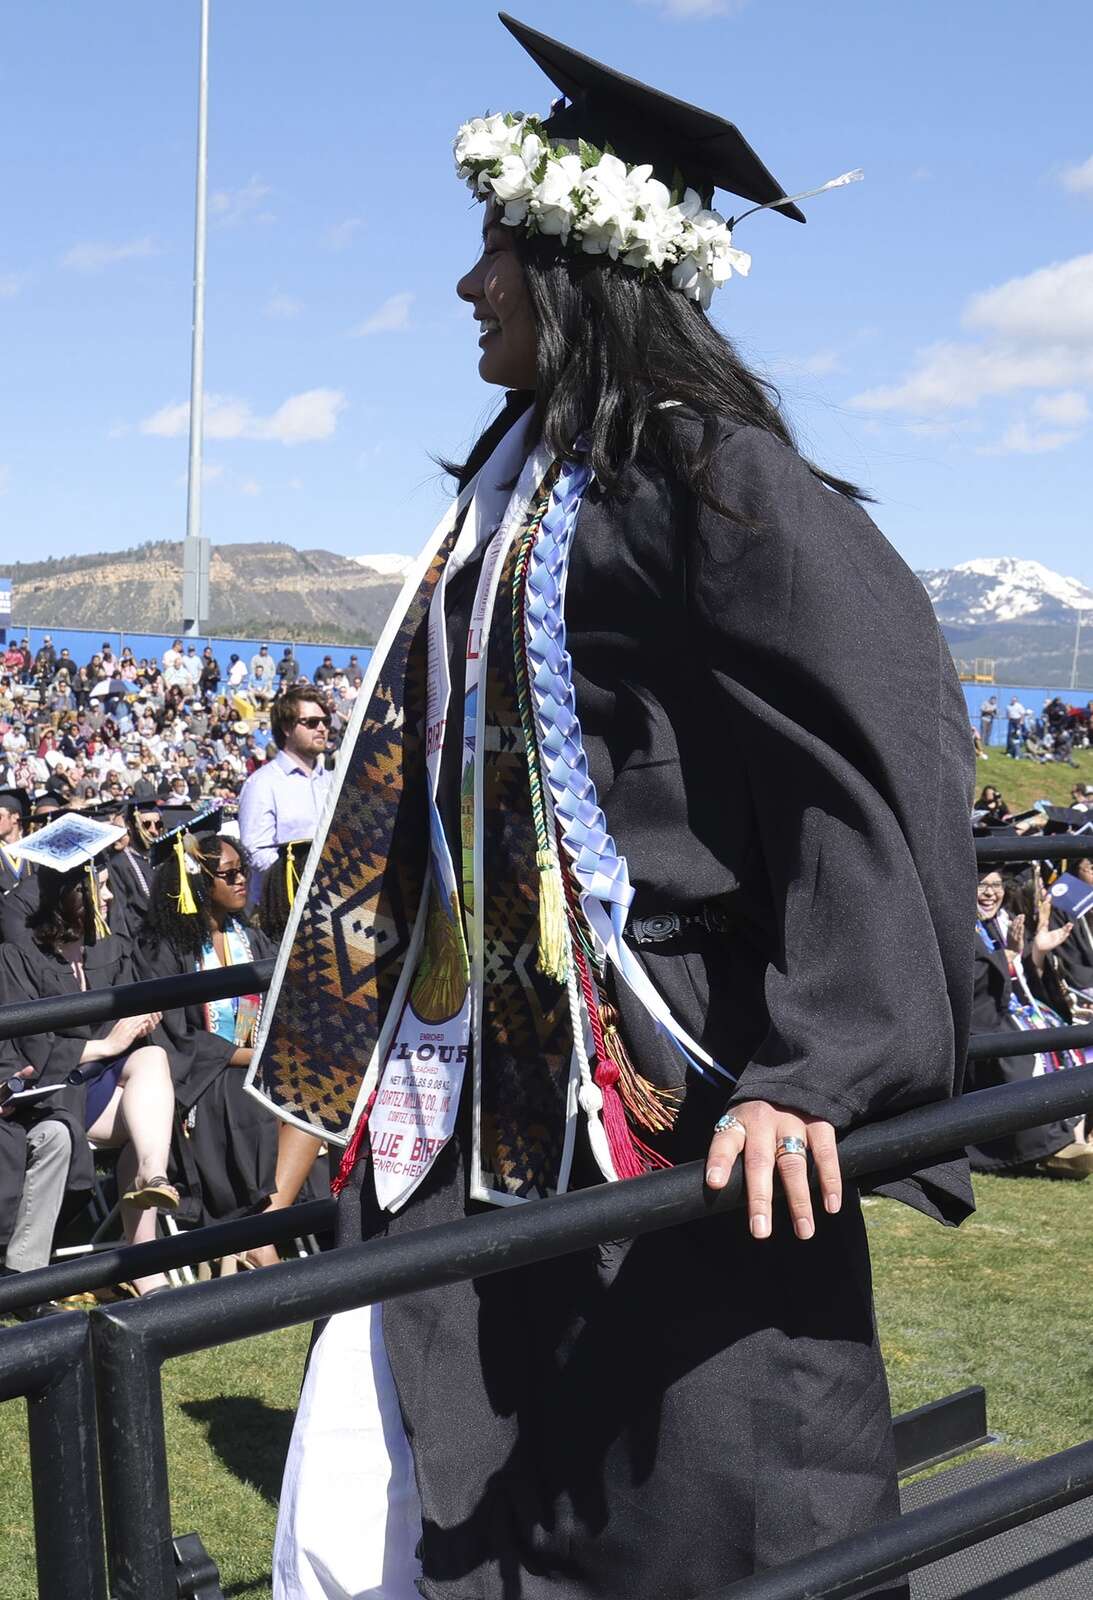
(1048, 939)
(760, 1127)
(1015, 934)
(128, 1031)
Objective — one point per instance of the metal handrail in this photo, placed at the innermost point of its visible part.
(132, 1340)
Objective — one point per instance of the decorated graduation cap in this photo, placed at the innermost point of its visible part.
(623, 170)
(69, 843)
(184, 842)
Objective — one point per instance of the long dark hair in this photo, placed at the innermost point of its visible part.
(613, 347)
(52, 928)
(164, 922)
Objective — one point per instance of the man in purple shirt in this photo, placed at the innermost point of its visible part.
(283, 800)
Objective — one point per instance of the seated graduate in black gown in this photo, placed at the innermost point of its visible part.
(195, 921)
(114, 1088)
(1013, 978)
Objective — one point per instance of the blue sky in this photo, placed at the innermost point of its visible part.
(931, 329)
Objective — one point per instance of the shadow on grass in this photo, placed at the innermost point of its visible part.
(250, 1437)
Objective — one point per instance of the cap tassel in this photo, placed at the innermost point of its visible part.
(187, 905)
(102, 927)
(553, 953)
(806, 194)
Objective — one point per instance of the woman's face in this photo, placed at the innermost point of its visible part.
(229, 890)
(496, 290)
(989, 894)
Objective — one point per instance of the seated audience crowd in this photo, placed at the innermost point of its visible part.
(1033, 971)
(170, 888)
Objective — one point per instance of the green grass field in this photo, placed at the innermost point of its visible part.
(1006, 1301)
(1024, 782)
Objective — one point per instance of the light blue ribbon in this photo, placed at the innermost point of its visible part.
(601, 872)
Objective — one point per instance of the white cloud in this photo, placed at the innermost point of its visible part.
(695, 10)
(820, 363)
(1036, 333)
(1020, 439)
(10, 284)
(233, 206)
(391, 317)
(340, 235)
(283, 306)
(301, 419)
(1078, 177)
(1068, 409)
(93, 255)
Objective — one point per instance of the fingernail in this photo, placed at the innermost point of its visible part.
(803, 1228)
(832, 1202)
(715, 1177)
(760, 1226)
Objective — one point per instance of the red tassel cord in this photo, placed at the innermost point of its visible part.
(353, 1149)
(630, 1156)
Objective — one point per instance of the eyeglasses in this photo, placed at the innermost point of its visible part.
(232, 876)
(312, 722)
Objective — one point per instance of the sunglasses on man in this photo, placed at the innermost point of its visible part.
(312, 722)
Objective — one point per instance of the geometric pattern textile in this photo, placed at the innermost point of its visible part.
(358, 918)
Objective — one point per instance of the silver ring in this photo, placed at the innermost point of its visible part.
(790, 1146)
(727, 1122)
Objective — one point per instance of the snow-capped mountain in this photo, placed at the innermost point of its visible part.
(1004, 589)
(1017, 614)
(386, 566)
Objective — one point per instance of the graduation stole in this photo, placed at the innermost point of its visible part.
(234, 1019)
(371, 947)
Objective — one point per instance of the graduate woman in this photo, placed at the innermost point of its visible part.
(656, 794)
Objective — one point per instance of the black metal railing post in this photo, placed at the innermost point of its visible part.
(133, 1449)
(884, 1553)
(50, 1363)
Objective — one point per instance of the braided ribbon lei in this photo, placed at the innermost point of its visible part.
(606, 892)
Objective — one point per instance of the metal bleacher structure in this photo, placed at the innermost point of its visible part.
(988, 1528)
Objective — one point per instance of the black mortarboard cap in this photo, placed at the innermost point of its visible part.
(642, 125)
(183, 820)
(1065, 819)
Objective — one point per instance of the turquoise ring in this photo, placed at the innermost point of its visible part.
(729, 1122)
(790, 1146)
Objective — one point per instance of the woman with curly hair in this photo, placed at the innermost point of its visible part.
(195, 922)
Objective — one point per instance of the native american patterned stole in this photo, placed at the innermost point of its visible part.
(356, 925)
(523, 1055)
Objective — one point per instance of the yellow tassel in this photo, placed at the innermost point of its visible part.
(187, 905)
(102, 927)
(553, 958)
(292, 877)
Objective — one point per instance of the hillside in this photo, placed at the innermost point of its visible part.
(254, 589)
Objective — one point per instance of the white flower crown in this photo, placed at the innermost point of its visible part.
(600, 204)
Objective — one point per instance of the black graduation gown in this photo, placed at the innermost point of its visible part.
(1075, 955)
(230, 1140)
(772, 720)
(130, 879)
(15, 907)
(9, 878)
(990, 1014)
(28, 973)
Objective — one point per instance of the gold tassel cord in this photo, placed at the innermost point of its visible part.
(553, 942)
(187, 905)
(102, 927)
(292, 877)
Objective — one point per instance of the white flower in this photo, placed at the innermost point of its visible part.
(606, 208)
(483, 139)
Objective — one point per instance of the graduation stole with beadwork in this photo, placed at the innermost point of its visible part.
(374, 979)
